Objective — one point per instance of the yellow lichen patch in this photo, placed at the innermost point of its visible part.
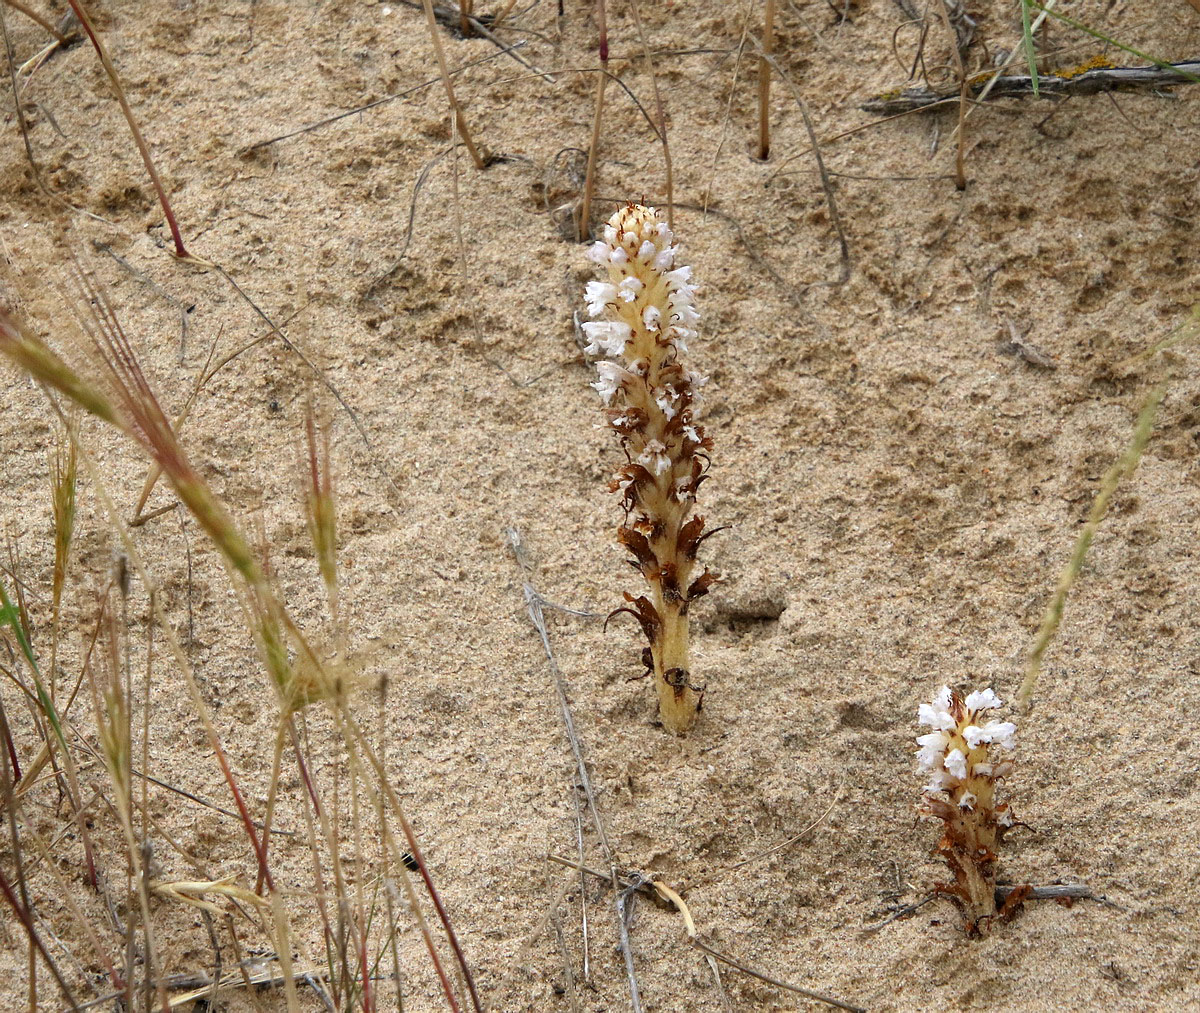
(1094, 63)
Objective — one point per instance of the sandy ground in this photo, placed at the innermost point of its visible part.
(902, 485)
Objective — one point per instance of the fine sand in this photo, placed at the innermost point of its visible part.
(902, 480)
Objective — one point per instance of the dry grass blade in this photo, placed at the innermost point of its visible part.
(460, 122)
(85, 20)
(764, 81)
(33, 15)
(585, 212)
(1124, 467)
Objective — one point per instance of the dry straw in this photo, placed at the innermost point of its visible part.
(651, 309)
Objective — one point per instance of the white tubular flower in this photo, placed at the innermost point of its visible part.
(629, 288)
(1000, 732)
(606, 337)
(612, 378)
(937, 715)
(982, 700)
(598, 295)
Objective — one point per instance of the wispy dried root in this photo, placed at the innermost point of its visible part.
(651, 306)
(962, 794)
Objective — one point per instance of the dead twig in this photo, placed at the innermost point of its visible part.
(632, 883)
(1090, 82)
(371, 105)
(826, 184)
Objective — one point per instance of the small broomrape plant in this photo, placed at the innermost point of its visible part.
(962, 794)
(650, 303)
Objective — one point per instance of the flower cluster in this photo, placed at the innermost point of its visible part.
(650, 305)
(962, 793)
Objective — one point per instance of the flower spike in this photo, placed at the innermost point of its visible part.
(650, 305)
(962, 793)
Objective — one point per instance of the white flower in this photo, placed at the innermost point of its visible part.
(1000, 732)
(606, 336)
(618, 256)
(612, 377)
(664, 259)
(610, 235)
(598, 252)
(937, 715)
(691, 434)
(678, 278)
(599, 294)
(647, 250)
(933, 747)
(938, 780)
(629, 288)
(654, 455)
(652, 318)
(666, 401)
(982, 700)
(629, 239)
(967, 801)
(956, 763)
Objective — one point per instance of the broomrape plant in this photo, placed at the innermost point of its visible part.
(961, 792)
(649, 302)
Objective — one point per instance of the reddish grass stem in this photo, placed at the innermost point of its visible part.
(180, 250)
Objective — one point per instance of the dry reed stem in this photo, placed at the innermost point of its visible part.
(764, 81)
(456, 113)
(589, 184)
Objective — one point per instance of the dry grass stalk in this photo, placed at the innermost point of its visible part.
(460, 123)
(764, 82)
(654, 309)
(86, 21)
(589, 183)
(122, 396)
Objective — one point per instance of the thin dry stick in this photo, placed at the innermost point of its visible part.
(533, 602)
(764, 82)
(960, 174)
(624, 916)
(180, 250)
(826, 185)
(662, 116)
(1123, 468)
(584, 232)
(635, 882)
(568, 974)
(828, 1000)
(371, 105)
(790, 841)
(459, 122)
(33, 15)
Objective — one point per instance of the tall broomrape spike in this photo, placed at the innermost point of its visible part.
(651, 306)
(962, 793)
